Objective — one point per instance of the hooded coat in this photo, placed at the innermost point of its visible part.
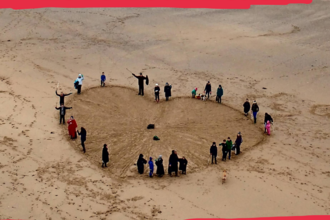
(183, 164)
(268, 118)
(72, 125)
(151, 164)
(246, 106)
(229, 145)
(83, 134)
(208, 87)
(105, 155)
(160, 167)
(173, 161)
(214, 150)
(167, 90)
(140, 164)
(220, 92)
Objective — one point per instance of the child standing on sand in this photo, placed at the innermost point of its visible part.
(151, 167)
(103, 78)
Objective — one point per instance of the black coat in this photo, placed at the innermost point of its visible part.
(140, 164)
(83, 134)
(63, 110)
(224, 146)
(214, 150)
(255, 107)
(62, 97)
(183, 164)
(140, 79)
(208, 87)
(173, 161)
(160, 167)
(105, 155)
(246, 106)
(167, 90)
(268, 118)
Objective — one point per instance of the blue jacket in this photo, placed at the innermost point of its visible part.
(151, 164)
(103, 78)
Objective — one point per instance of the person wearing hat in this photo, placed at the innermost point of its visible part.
(167, 90)
(214, 152)
(208, 90)
(238, 142)
(194, 92)
(157, 89)
(151, 167)
(79, 81)
(160, 167)
(105, 155)
(247, 107)
(141, 79)
(255, 109)
(219, 93)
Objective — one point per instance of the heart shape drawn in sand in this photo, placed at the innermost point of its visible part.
(119, 117)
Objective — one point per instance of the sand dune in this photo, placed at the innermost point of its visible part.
(284, 49)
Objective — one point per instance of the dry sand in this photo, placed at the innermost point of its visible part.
(285, 49)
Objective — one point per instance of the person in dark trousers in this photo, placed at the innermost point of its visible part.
(151, 167)
(219, 93)
(224, 149)
(105, 155)
(160, 167)
(247, 107)
(255, 110)
(140, 164)
(267, 118)
(214, 152)
(157, 90)
(173, 163)
(82, 135)
(183, 165)
(62, 96)
(229, 144)
(208, 90)
(167, 90)
(103, 78)
(238, 142)
(62, 112)
(141, 79)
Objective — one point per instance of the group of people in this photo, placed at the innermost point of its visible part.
(172, 165)
(226, 146)
(208, 92)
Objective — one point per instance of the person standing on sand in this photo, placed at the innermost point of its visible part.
(224, 150)
(194, 92)
(183, 165)
(267, 118)
(173, 163)
(62, 112)
(208, 89)
(157, 90)
(103, 78)
(62, 96)
(151, 167)
(255, 109)
(160, 167)
(105, 155)
(167, 90)
(247, 107)
(229, 144)
(140, 164)
(72, 126)
(238, 142)
(141, 79)
(82, 135)
(219, 94)
(214, 152)
(79, 82)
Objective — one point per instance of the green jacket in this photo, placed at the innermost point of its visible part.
(194, 92)
(229, 144)
(220, 92)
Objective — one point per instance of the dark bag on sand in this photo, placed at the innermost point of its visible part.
(156, 138)
(151, 126)
(216, 98)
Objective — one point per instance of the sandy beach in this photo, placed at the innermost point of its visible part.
(277, 55)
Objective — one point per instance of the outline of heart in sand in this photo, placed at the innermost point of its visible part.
(117, 116)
